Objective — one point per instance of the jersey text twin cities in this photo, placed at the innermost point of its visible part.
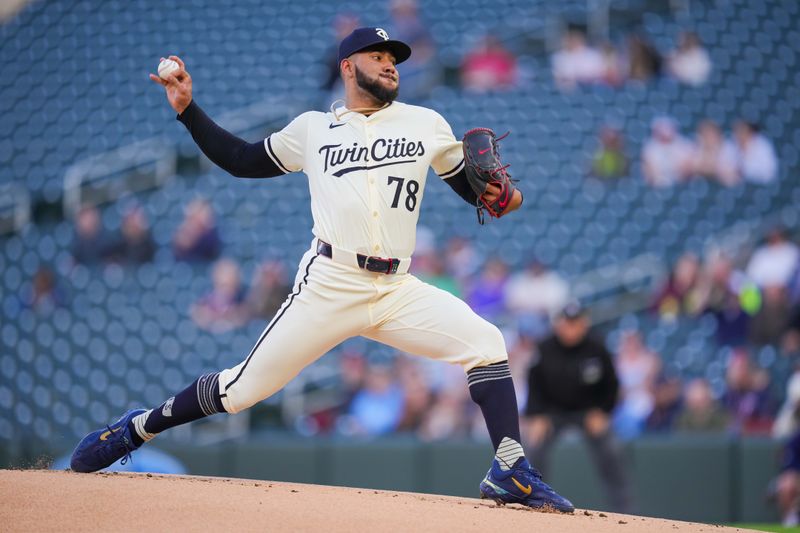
(381, 149)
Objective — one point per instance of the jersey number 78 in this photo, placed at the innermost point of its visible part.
(412, 188)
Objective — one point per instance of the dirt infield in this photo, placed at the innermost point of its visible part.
(42, 500)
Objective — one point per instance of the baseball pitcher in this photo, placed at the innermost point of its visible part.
(366, 163)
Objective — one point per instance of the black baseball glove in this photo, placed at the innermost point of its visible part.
(483, 166)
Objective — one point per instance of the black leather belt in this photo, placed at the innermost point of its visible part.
(373, 264)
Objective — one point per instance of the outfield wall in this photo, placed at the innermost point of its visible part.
(698, 479)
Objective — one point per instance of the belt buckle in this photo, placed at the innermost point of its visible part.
(382, 265)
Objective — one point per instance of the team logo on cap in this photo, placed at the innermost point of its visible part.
(382, 34)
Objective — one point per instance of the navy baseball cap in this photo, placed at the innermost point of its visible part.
(573, 310)
(363, 38)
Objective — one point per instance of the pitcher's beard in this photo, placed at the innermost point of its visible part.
(381, 93)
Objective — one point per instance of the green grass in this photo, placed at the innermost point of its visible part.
(768, 527)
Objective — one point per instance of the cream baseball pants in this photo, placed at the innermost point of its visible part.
(331, 302)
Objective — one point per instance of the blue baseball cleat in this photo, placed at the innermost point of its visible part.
(102, 448)
(522, 484)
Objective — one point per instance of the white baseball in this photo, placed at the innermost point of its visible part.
(167, 67)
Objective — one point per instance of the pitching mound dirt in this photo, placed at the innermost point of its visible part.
(41, 500)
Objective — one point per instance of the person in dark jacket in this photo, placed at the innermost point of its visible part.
(90, 245)
(573, 383)
(787, 485)
(134, 245)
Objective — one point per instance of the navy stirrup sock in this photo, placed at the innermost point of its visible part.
(492, 389)
(198, 400)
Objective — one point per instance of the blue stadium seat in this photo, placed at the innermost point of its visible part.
(117, 396)
(99, 413)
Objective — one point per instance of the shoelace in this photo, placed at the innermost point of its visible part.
(533, 472)
(119, 439)
(541, 483)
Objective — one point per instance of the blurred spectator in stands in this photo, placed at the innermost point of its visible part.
(680, 294)
(718, 298)
(644, 61)
(537, 289)
(407, 26)
(421, 72)
(487, 294)
(666, 156)
(689, 63)
(610, 161)
(535, 295)
(416, 393)
(424, 252)
(757, 162)
(489, 67)
(197, 238)
(522, 349)
(613, 69)
(770, 322)
(775, 261)
(638, 369)
(90, 245)
(733, 322)
(747, 397)
(332, 85)
(268, 290)
(788, 483)
(377, 409)
(701, 413)
(135, 244)
(447, 418)
(763, 417)
(429, 264)
(713, 156)
(43, 294)
(790, 343)
(793, 287)
(666, 404)
(223, 308)
(577, 63)
(353, 375)
(461, 259)
(714, 284)
(788, 420)
(573, 383)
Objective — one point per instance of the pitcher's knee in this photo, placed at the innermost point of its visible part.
(489, 346)
(238, 398)
(239, 393)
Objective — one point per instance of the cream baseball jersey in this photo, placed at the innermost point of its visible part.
(367, 173)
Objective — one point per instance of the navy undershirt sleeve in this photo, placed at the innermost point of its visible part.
(237, 156)
(458, 182)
